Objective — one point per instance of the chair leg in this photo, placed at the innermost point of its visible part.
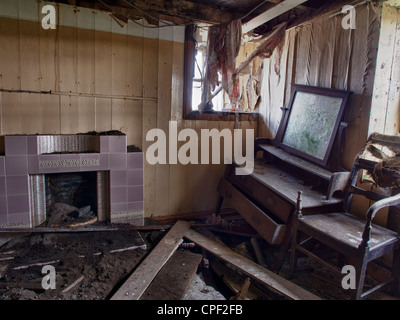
(396, 273)
(219, 205)
(361, 269)
(293, 251)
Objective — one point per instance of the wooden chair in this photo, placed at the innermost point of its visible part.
(359, 239)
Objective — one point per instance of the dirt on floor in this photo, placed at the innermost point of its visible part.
(96, 262)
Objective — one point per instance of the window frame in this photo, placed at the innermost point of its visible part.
(189, 65)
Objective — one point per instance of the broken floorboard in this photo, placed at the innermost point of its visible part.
(141, 278)
(174, 278)
(83, 229)
(251, 269)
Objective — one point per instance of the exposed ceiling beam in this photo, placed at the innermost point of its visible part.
(184, 10)
(270, 14)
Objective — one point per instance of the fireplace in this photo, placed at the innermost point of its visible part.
(30, 160)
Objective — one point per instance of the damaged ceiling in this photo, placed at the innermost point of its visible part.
(213, 11)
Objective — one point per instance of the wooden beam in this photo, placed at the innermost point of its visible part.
(170, 11)
(270, 14)
(180, 269)
(251, 269)
(138, 282)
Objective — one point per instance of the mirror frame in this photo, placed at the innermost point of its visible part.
(344, 95)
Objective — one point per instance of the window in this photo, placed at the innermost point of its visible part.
(194, 65)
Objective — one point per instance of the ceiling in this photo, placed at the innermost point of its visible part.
(210, 11)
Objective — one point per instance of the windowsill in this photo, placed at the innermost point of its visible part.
(221, 116)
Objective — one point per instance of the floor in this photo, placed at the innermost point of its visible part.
(91, 265)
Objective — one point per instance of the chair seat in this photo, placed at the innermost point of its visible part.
(347, 229)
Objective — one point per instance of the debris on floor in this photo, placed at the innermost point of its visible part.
(196, 260)
(96, 256)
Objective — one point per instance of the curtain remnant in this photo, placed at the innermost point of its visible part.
(266, 48)
(223, 46)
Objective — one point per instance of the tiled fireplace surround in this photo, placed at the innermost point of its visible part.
(28, 158)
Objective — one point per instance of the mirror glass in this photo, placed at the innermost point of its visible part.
(311, 123)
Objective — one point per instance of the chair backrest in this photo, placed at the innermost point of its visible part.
(378, 164)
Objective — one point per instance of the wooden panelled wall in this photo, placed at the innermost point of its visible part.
(385, 110)
(322, 53)
(128, 79)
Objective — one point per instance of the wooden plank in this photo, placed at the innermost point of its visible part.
(10, 67)
(31, 108)
(164, 83)
(234, 281)
(174, 278)
(150, 67)
(270, 14)
(385, 57)
(134, 115)
(86, 114)
(32, 117)
(103, 114)
(29, 47)
(149, 122)
(393, 113)
(298, 162)
(119, 72)
(68, 59)
(135, 66)
(103, 62)
(85, 59)
(11, 113)
(144, 274)
(251, 269)
(69, 114)
(118, 115)
(270, 230)
(49, 68)
(288, 186)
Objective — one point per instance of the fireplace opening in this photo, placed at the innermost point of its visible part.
(71, 198)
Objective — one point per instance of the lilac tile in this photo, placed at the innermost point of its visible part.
(118, 207)
(3, 220)
(118, 178)
(3, 186)
(16, 165)
(117, 161)
(18, 204)
(104, 144)
(137, 205)
(33, 145)
(90, 162)
(3, 206)
(33, 164)
(118, 194)
(49, 163)
(20, 218)
(104, 163)
(2, 166)
(135, 160)
(134, 177)
(17, 185)
(70, 162)
(16, 145)
(117, 144)
(135, 193)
